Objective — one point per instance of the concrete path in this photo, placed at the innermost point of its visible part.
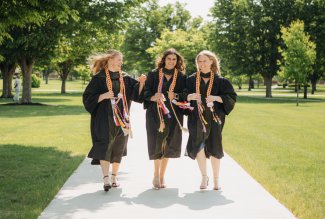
(241, 196)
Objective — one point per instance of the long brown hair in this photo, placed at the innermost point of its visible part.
(215, 67)
(99, 60)
(180, 64)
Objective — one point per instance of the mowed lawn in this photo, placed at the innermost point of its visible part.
(282, 146)
(279, 144)
(40, 147)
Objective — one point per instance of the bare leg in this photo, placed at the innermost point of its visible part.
(105, 170)
(105, 167)
(163, 166)
(215, 163)
(155, 181)
(115, 168)
(157, 167)
(201, 160)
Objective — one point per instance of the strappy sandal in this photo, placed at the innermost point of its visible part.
(204, 182)
(115, 182)
(216, 184)
(107, 184)
(163, 184)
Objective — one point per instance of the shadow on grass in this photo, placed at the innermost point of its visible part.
(30, 176)
(275, 100)
(57, 94)
(19, 111)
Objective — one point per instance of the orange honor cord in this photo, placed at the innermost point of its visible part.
(120, 119)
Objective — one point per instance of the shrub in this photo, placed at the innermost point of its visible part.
(36, 81)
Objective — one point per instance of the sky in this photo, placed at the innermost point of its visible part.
(196, 7)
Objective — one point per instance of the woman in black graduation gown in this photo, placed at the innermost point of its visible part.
(164, 119)
(213, 97)
(107, 98)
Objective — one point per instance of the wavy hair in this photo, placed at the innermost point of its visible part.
(180, 64)
(215, 67)
(99, 60)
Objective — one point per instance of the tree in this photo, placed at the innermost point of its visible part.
(247, 33)
(21, 14)
(145, 26)
(35, 40)
(7, 66)
(95, 30)
(188, 43)
(82, 71)
(232, 37)
(299, 54)
(238, 80)
(312, 13)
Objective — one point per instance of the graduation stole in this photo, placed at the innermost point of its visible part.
(161, 107)
(200, 106)
(120, 119)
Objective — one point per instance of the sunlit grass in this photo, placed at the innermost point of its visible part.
(279, 144)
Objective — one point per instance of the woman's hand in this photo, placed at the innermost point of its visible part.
(194, 96)
(212, 98)
(107, 95)
(156, 97)
(142, 78)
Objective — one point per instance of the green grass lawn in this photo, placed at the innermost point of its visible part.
(40, 147)
(282, 146)
(279, 144)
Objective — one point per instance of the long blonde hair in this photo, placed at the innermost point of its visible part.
(215, 67)
(99, 60)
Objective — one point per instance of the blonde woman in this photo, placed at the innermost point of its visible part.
(107, 98)
(213, 97)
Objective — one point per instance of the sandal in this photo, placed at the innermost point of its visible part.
(216, 184)
(107, 184)
(115, 182)
(163, 184)
(204, 182)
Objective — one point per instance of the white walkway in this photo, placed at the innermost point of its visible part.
(241, 196)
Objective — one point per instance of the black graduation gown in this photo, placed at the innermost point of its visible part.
(166, 144)
(211, 141)
(109, 142)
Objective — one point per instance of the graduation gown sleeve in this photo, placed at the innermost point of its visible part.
(91, 95)
(134, 86)
(228, 95)
(148, 90)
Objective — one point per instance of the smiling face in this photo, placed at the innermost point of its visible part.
(204, 63)
(115, 63)
(170, 61)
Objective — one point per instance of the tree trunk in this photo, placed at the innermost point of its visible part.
(313, 86)
(297, 96)
(65, 68)
(305, 91)
(47, 78)
(268, 84)
(26, 65)
(250, 83)
(8, 71)
(63, 86)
